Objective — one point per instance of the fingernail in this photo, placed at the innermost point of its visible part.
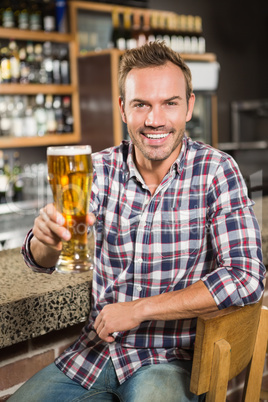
(66, 235)
(60, 220)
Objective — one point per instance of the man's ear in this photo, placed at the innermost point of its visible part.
(190, 107)
(122, 110)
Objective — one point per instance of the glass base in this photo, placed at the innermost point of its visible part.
(73, 266)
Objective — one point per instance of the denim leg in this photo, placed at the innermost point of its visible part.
(51, 385)
(168, 382)
(48, 385)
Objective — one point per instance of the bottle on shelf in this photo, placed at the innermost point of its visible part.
(48, 61)
(17, 180)
(117, 31)
(23, 16)
(5, 119)
(57, 106)
(40, 115)
(49, 12)
(35, 19)
(50, 115)
(14, 62)
(64, 65)
(30, 124)
(3, 180)
(67, 114)
(30, 62)
(5, 65)
(124, 41)
(24, 66)
(8, 17)
(17, 125)
(56, 65)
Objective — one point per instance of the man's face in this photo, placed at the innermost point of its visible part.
(155, 110)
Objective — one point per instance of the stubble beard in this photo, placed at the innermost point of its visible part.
(154, 154)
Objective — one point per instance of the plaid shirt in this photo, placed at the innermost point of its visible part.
(198, 224)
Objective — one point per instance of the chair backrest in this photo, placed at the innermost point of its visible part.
(227, 342)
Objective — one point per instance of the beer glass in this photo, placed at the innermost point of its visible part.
(70, 175)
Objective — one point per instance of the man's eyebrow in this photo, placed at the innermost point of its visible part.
(137, 100)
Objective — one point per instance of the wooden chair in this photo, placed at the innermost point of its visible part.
(227, 342)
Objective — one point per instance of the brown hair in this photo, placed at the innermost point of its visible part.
(152, 54)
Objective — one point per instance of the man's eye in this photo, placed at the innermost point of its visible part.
(139, 105)
(172, 103)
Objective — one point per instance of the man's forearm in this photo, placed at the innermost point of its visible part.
(175, 305)
(182, 304)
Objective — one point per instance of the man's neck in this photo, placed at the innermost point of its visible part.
(153, 172)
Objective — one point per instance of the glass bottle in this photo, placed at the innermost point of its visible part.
(40, 115)
(17, 178)
(14, 62)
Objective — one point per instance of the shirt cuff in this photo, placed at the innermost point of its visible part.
(28, 257)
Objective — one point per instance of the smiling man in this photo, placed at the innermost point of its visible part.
(175, 237)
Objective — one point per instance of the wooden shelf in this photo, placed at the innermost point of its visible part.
(206, 57)
(26, 34)
(46, 140)
(31, 89)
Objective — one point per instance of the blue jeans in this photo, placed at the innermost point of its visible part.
(154, 383)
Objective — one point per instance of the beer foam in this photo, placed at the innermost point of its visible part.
(69, 150)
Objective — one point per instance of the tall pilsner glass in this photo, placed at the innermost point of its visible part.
(70, 175)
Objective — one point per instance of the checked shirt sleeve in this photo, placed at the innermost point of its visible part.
(236, 240)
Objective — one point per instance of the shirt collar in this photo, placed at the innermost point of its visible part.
(132, 171)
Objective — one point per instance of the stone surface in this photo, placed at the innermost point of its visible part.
(32, 304)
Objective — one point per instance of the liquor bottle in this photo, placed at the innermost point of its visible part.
(8, 18)
(49, 11)
(40, 115)
(56, 65)
(7, 171)
(30, 124)
(5, 122)
(14, 62)
(17, 178)
(18, 116)
(40, 72)
(57, 106)
(124, 41)
(50, 113)
(61, 16)
(5, 65)
(67, 114)
(3, 180)
(24, 66)
(64, 65)
(48, 61)
(35, 20)
(116, 30)
(23, 16)
(30, 62)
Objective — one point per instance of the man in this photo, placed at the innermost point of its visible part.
(175, 237)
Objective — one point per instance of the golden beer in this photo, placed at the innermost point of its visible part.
(70, 173)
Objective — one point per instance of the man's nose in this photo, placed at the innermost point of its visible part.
(155, 117)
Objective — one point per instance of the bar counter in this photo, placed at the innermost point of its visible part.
(33, 304)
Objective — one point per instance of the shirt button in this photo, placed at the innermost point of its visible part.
(139, 288)
(140, 260)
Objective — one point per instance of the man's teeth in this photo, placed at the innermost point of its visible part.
(156, 136)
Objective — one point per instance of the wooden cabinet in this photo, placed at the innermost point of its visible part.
(53, 89)
(101, 123)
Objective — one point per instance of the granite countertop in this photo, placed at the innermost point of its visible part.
(32, 304)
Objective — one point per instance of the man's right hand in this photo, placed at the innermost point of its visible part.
(48, 228)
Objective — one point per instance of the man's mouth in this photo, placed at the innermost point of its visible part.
(156, 136)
